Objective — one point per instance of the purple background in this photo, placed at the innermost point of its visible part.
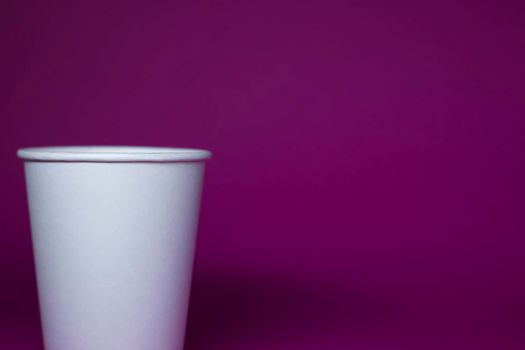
(367, 189)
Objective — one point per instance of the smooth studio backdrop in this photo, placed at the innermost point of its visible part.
(368, 181)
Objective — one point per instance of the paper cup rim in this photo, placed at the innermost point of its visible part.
(112, 154)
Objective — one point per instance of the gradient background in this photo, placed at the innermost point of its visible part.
(367, 189)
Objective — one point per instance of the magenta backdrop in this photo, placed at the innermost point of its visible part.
(367, 189)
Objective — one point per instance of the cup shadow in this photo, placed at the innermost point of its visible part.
(224, 307)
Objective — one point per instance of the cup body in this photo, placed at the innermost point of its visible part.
(113, 243)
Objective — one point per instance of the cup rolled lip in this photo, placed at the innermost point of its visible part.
(110, 154)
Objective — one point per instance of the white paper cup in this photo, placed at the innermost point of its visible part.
(113, 232)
